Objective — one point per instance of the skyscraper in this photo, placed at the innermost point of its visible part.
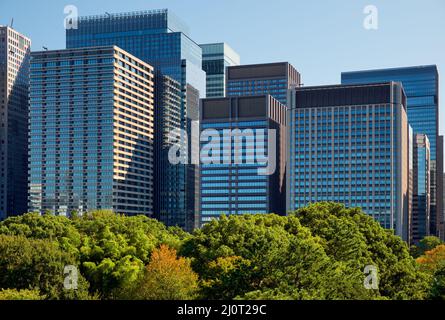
(421, 84)
(349, 144)
(420, 226)
(91, 131)
(243, 149)
(216, 57)
(168, 96)
(159, 38)
(15, 51)
(270, 78)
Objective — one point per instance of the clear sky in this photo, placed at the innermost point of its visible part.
(320, 38)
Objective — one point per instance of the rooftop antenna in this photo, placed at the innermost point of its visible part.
(45, 48)
(12, 22)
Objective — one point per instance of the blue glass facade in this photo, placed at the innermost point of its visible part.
(232, 179)
(162, 40)
(216, 57)
(274, 79)
(15, 50)
(350, 145)
(421, 85)
(421, 188)
(157, 37)
(91, 134)
(234, 189)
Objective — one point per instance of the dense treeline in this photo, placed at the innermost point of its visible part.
(319, 252)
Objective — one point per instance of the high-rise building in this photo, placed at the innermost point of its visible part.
(216, 57)
(168, 97)
(410, 182)
(15, 51)
(159, 38)
(421, 84)
(420, 225)
(91, 131)
(442, 229)
(349, 144)
(243, 153)
(270, 78)
(440, 216)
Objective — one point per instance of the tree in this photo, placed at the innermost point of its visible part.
(433, 262)
(258, 256)
(110, 250)
(166, 277)
(426, 244)
(37, 264)
(351, 236)
(438, 287)
(14, 294)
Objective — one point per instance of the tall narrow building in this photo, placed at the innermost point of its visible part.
(349, 144)
(270, 78)
(91, 132)
(161, 39)
(216, 57)
(15, 51)
(440, 217)
(420, 227)
(421, 84)
(243, 153)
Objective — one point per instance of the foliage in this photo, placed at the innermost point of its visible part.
(110, 250)
(438, 287)
(166, 277)
(355, 238)
(14, 294)
(426, 244)
(267, 256)
(433, 259)
(433, 262)
(37, 264)
(319, 252)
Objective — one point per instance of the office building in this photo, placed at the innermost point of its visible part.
(161, 39)
(442, 229)
(216, 57)
(421, 84)
(271, 78)
(420, 226)
(349, 144)
(168, 98)
(235, 177)
(91, 132)
(15, 51)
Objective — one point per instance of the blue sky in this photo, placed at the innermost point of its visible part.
(320, 38)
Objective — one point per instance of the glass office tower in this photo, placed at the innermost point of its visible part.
(349, 144)
(420, 227)
(233, 173)
(15, 51)
(216, 57)
(91, 132)
(159, 38)
(440, 225)
(421, 85)
(270, 78)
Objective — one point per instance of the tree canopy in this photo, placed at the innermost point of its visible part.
(318, 252)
